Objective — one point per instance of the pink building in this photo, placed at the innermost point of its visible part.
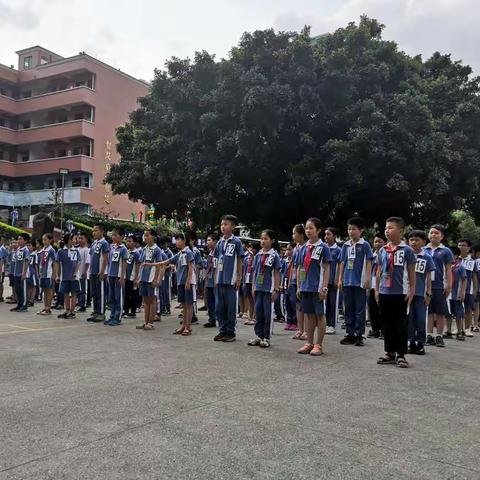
(61, 113)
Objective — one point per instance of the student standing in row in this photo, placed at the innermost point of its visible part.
(373, 310)
(210, 281)
(465, 246)
(333, 292)
(354, 278)
(395, 289)
(84, 252)
(228, 279)
(265, 288)
(299, 237)
(48, 257)
(132, 269)
(117, 267)
(3, 265)
(22, 260)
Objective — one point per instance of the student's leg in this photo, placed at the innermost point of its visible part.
(267, 308)
(389, 330)
(349, 301)
(187, 312)
(321, 327)
(311, 324)
(147, 301)
(17, 287)
(290, 307)
(420, 321)
(73, 302)
(401, 325)
(210, 301)
(468, 305)
(360, 302)
(111, 297)
(260, 315)
(220, 308)
(232, 299)
(375, 324)
(47, 298)
(103, 296)
(460, 317)
(331, 304)
(118, 301)
(95, 287)
(292, 295)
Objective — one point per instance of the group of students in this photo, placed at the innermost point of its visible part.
(408, 287)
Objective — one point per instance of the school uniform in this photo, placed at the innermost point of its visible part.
(32, 278)
(68, 259)
(182, 260)
(117, 255)
(151, 254)
(83, 278)
(47, 258)
(264, 266)
(417, 318)
(11, 261)
(210, 287)
(247, 275)
(373, 309)
(3, 263)
(442, 257)
(332, 295)
(228, 253)
(22, 256)
(311, 260)
(278, 305)
(98, 287)
(393, 263)
(288, 273)
(458, 275)
(131, 293)
(159, 306)
(470, 267)
(354, 258)
(166, 286)
(292, 289)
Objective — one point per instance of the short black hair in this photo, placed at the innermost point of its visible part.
(418, 233)
(333, 230)
(455, 250)
(438, 226)
(213, 236)
(465, 240)
(292, 244)
(100, 226)
(119, 230)
(230, 218)
(358, 222)
(399, 221)
(165, 240)
(152, 232)
(192, 234)
(255, 246)
(25, 236)
(183, 236)
(316, 221)
(380, 235)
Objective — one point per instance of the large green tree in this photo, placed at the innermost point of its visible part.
(291, 125)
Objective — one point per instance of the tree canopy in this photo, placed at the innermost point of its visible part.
(290, 126)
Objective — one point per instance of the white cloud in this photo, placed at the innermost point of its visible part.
(139, 36)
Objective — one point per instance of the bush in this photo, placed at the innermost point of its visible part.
(9, 231)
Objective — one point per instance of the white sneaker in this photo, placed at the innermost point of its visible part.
(255, 342)
(330, 331)
(468, 333)
(265, 343)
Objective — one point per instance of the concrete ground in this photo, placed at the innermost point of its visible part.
(86, 401)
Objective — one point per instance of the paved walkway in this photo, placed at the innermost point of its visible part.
(84, 401)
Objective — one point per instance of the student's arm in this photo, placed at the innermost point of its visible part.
(475, 282)
(340, 275)
(463, 289)
(103, 264)
(276, 284)
(428, 295)
(326, 276)
(412, 280)
(238, 283)
(188, 282)
(136, 268)
(75, 272)
(56, 270)
(368, 275)
(26, 264)
(86, 266)
(297, 273)
(377, 281)
(448, 289)
(123, 273)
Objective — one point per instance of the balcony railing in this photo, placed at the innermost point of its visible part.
(45, 166)
(41, 197)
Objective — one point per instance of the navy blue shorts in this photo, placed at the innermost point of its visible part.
(438, 304)
(456, 309)
(146, 290)
(311, 304)
(46, 283)
(69, 286)
(32, 281)
(187, 296)
(11, 281)
(247, 290)
(469, 301)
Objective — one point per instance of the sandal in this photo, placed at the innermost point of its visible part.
(303, 336)
(148, 326)
(186, 332)
(44, 312)
(179, 331)
(316, 351)
(249, 322)
(387, 359)
(306, 349)
(297, 335)
(401, 362)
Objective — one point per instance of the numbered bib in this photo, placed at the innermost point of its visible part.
(351, 253)
(183, 260)
(420, 266)
(115, 256)
(469, 265)
(303, 275)
(230, 250)
(130, 259)
(399, 258)
(97, 248)
(149, 255)
(73, 255)
(20, 256)
(317, 251)
(220, 265)
(269, 261)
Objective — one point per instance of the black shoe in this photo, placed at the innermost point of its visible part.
(229, 338)
(347, 340)
(81, 309)
(447, 335)
(439, 341)
(420, 349)
(31, 304)
(209, 325)
(203, 309)
(373, 334)
(412, 348)
(219, 337)
(430, 340)
(359, 342)
(22, 309)
(14, 309)
(461, 337)
(63, 315)
(90, 319)
(1, 300)
(194, 319)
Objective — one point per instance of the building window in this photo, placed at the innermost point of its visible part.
(25, 124)
(79, 116)
(2, 155)
(76, 181)
(77, 150)
(62, 118)
(24, 156)
(86, 182)
(27, 63)
(43, 60)
(26, 94)
(61, 153)
(11, 186)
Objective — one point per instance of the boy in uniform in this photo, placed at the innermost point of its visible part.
(22, 260)
(470, 266)
(117, 266)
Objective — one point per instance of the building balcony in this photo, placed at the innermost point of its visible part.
(43, 197)
(47, 101)
(46, 166)
(45, 133)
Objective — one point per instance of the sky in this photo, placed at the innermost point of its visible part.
(137, 36)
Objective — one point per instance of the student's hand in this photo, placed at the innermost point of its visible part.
(23, 277)
(428, 299)
(299, 294)
(238, 283)
(102, 276)
(323, 295)
(135, 284)
(339, 284)
(446, 291)
(188, 286)
(367, 285)
(409, 297)
(274, 296)
(121, 281)
(377, 296)
(57, 279)
(154, 284)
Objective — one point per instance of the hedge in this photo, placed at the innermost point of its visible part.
(9, 231)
